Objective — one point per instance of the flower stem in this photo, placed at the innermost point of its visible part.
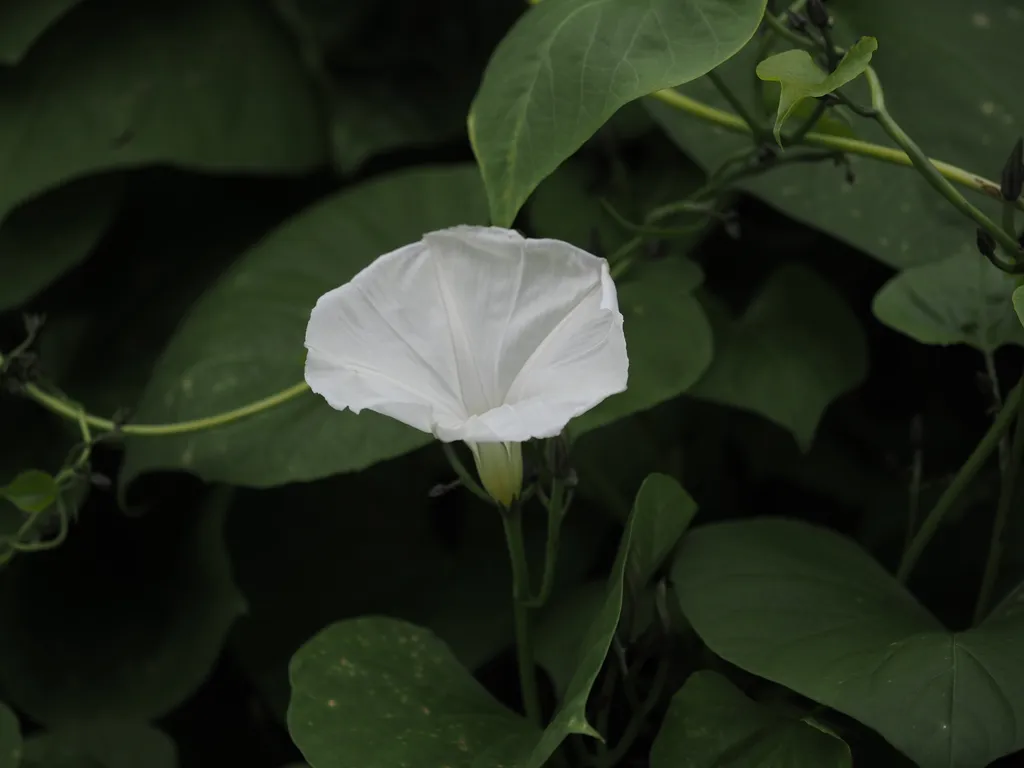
(963, 478)
(512, 519)
(556, 508)
(1006, 497)
(756, 128)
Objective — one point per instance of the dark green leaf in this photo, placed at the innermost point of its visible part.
(810, 610)
(243, 340)
(123, 84)
(801, 78)
(380, 74)
(131, 639)
(22, 23)
(45, 237)
(973, 125)
(1018, 303)
(381, 691)
(961, 300)
(10, 739)
(667, 510)
(568, 65)
(32, 491)
(105, 744)
(562, 627)
(712, 724)
(796, 349)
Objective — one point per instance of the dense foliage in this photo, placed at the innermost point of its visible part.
(202, 564)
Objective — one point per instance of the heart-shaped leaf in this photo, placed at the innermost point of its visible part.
(565, 68)
(10, 738)
(809, 609)
(961, 300)
(123, 84)
(711, 723)
(801, 78)
(796, 349)
(32, 491)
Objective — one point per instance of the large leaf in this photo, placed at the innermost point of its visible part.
(961, 300)
(105, 744)
(378, 68)
(122, 621)
(565, 68)
(667, 511)
(799, 77)
(243, 340)
(45, 237)
(123, 84)
(890, 212)
(351, 676)
(21, 24)
(712, 724)
(10, 738)
(796, 349)
(809, 609)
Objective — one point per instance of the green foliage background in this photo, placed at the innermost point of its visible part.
(179, 182)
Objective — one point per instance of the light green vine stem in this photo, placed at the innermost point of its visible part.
(1007, 494)
(512, 520)
(982, 451)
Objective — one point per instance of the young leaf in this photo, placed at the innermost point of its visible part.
(801, 78)
(809, 609)
(961, 300)
(567, 65)
(32, 491)
(711, 723)
(10, 738)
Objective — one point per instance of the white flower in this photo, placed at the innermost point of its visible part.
(474, 334)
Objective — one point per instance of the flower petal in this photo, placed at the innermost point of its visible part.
(475, 333)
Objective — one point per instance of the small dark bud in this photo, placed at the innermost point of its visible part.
(1013, 173)
(986, 243)
(33, 324)
(796, 22)
(100, 481)
(818, 15)
(731, 224)
(441, 489)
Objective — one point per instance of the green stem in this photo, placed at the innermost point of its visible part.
(963, 478)
(1006, 497)
(465, 476)
(639, 718)
(556, 508)
(756, 129)
(512, 519)
(929, 171)
(798, 135)
(732, 122)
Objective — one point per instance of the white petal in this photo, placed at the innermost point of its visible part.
(474, 334)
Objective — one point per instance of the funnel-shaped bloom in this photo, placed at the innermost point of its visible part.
(474, 334)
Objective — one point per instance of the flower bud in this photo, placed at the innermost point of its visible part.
(986, 243)
(1013, 173)
(818, 15)
(500, 467)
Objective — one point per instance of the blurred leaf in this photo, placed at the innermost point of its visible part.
(396, 75)
(801, 78)
(973, 125)
(105, 744)
(809, 609)
(10, 738)
(32, 491)
(243, 340)
(712, 724)
(122, 84)
(667, 510)
(45, 237)
(124, 620)
(1018, 303)
(567, 65)
(795, 350)
(377, 690)
(22, 23)
(961, 300)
